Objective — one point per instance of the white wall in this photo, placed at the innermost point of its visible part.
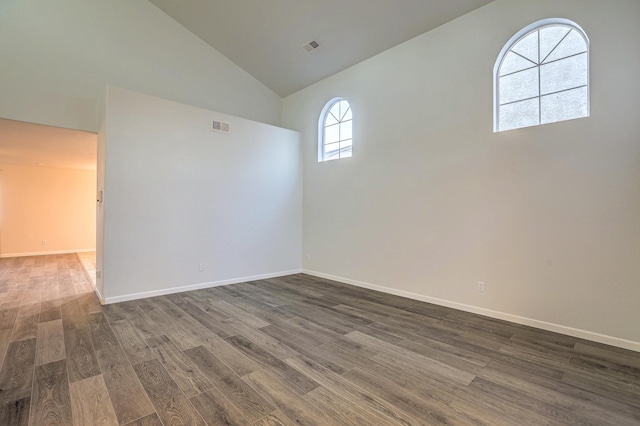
(57, 57)
(177, 194)
(433, 201)
(100, 166)
(42, 203)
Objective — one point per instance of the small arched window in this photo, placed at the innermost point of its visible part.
(542, 76)
(335, 130)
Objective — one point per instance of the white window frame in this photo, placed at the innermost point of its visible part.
(321, 123)
(514, 40)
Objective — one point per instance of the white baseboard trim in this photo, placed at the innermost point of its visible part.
(44, 253)
(93, 284)
(557, 328)
(97, 292)
(164, 291)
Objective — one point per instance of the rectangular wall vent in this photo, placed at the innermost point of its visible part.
(220, 126)
(311, 46)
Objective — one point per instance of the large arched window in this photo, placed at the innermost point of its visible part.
(542, 76)
(335, 131)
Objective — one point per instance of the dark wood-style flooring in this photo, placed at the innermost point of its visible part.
(287, 351)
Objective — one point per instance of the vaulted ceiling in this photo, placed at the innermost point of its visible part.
(266, 37)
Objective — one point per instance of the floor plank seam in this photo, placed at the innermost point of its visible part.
(295, 349)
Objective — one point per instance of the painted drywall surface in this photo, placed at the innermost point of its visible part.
(41, 203)
(433, 201)
(58, 57)
(178, 195)
(101, 145)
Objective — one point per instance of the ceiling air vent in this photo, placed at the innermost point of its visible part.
(220, 126)
(311, 46)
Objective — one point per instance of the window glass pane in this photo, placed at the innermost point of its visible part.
(543, 77)
(563, 74)
(332, 134)
(571, 45)
(519, 86)
(345, 130)
(330, 119)
(344, 106)
(335, 111)
(332, 151)
(565, 105)
(519, 114)
(347, 116)
(549, 39)
(336, 132)
(513, 63)
(528, 47)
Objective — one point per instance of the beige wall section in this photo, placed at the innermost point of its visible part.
(433, 201)
(40, 203)
(58, 57)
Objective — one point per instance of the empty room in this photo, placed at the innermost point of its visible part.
(409, 212)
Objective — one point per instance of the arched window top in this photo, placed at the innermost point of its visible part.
(335, 130)
(542, 76)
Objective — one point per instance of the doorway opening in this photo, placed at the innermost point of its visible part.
(47, 191)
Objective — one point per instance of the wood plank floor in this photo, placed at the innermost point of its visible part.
(287, 351)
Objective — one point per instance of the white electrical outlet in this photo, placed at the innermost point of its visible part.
(480, 286)
(308, 256)
(44, 242)
(201, 267)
